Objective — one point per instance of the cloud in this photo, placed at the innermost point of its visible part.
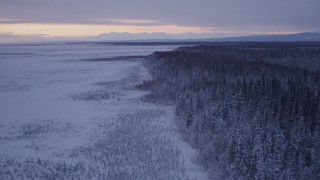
(202, 13)
(5, 20)
(137, 36)
(187, 18)
(132, 21)
(78, 30)
(12, 38)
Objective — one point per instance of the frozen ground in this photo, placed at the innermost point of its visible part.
(72, 112)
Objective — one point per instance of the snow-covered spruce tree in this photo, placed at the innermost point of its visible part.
(251, 110)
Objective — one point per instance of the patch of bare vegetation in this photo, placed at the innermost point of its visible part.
(133, 149)
(92, 96)
(39, 128)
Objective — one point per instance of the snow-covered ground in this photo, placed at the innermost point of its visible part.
(71, 111)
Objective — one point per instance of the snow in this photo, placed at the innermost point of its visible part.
(59, 108)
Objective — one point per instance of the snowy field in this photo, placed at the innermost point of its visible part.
(71, 111)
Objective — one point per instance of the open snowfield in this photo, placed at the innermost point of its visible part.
(71, 111)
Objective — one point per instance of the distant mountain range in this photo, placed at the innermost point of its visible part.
(164, 37)
(306, 36)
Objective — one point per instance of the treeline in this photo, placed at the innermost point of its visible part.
(303, 55)
(247, 118)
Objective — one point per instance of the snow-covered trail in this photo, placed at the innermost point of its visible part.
(62, 118)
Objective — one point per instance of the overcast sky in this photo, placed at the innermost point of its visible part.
(195, 18)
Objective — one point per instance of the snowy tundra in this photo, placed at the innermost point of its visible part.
(71, 111)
